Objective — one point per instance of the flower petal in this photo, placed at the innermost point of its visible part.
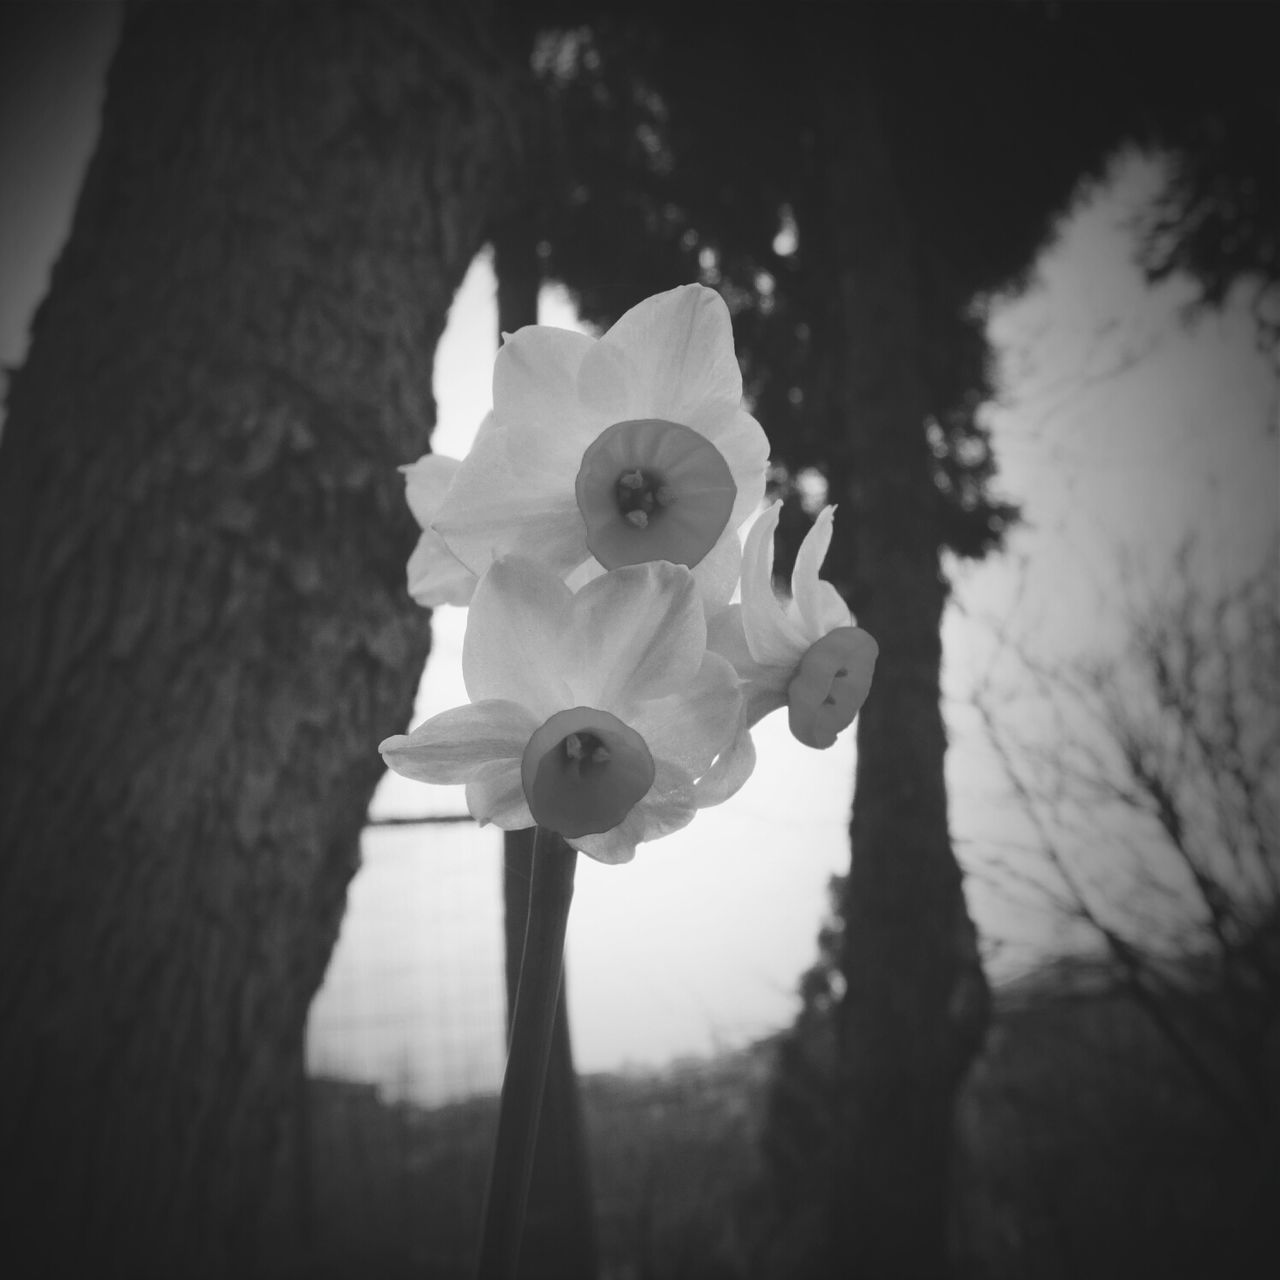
(691, 727)
(436, 576)
(457, 744)
(764, 692)
(667, 806)
(828, 608)
(742, 443)
(496, 795)
(587, 571)
(426, 482)
(725, 636)
(493, 508)
(516, 637)
(732, 767)
(763, 689)
(818, 613)
(675, 351)
(602, 383)
(773, 639)
(638, 632)
(535, 397)
(717, 574)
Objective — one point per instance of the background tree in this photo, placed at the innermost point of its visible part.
(1145, 1055)
(1154, 799)
(914, 248)
(205, 630)
(1211, 107)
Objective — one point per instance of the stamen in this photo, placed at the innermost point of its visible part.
(584, 749)
(636, 492)
(665, 495)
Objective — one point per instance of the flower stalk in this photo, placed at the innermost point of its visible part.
(541, 972)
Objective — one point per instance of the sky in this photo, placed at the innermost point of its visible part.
(1120, 429)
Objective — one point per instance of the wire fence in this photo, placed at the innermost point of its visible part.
(413, 1000)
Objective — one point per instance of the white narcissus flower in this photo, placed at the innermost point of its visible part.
(435, 575)
(807, 655)
(625, 449)
(592, 713)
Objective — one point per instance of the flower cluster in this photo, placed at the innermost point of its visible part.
(594, 529)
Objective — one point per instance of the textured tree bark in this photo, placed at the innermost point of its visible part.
(915, 1000)
(559, 1236)
(205, 630)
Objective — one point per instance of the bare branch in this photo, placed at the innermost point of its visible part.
(1149, 782)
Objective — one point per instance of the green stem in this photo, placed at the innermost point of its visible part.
(550, 893)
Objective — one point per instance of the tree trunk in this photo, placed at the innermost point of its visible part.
(205, 630)
(559, 1237)
(915, 998)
